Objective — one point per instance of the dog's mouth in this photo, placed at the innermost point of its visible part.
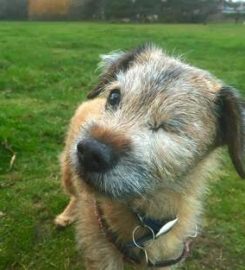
(112, 171)
(113, 175)
(117, 185)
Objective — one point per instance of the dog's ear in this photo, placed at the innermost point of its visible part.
(107, 60)
(112, 64)
(231, 126)
(108, 66)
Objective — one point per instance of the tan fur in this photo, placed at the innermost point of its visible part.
(117, 140)
(181, 158)
(90, 236)
(90, 109)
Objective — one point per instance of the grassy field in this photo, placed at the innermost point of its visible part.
(45, 71)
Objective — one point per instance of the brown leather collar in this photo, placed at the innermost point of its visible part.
(126, 250)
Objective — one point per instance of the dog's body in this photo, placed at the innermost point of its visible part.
(147, 145)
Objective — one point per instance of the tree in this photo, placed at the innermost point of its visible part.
(87, 9)
(13, 9)
(115, 9)
(3, 8)
(48, 9)
(188, 10)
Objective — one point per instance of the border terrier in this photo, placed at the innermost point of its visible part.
(138, 156)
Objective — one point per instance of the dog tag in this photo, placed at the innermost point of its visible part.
(166, 227)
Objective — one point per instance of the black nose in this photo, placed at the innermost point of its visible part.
(95, 156)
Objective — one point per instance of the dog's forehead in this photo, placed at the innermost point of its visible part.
(152, 72)
(155, 84)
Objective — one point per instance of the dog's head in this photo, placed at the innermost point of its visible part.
(162, 117)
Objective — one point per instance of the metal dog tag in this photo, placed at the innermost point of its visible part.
(166, 227)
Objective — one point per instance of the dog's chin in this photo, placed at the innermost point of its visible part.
(106, 187)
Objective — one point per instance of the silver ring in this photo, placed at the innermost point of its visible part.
(136, 229)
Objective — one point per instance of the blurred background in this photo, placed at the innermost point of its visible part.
(139, 11)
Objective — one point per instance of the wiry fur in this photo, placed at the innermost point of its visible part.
(166, 129)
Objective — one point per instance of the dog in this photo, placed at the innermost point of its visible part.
(139, 154)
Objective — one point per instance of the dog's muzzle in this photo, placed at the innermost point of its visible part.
(96, 156)
(108, 165)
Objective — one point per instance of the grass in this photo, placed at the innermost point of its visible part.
(46, 70)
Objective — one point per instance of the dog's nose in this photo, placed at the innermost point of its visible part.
(95, 156)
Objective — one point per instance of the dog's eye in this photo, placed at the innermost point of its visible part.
(155, 127)
(172, 126)
(114, 98)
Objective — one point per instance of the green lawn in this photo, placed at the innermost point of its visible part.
(45, 71)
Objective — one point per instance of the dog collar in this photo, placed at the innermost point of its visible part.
(126, 249)
(155, 227)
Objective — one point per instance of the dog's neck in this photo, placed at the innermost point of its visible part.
(185, 205)
(155, 229)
